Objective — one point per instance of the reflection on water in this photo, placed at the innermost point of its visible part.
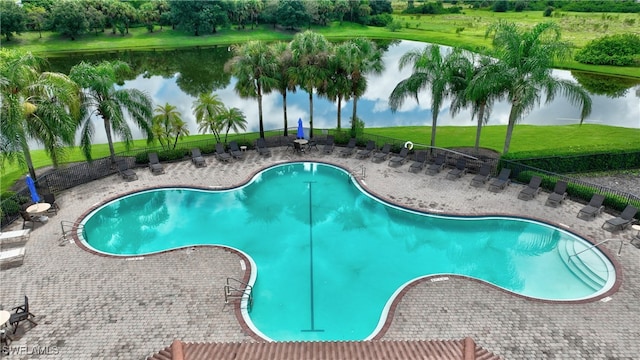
(178, 76)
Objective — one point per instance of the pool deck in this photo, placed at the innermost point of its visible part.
(96, 307)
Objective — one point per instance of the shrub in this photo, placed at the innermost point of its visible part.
(208, 149)
(10, 207)
(548, 11)
(394, 26)
(500, 6)
(617, 50)
(380, 20)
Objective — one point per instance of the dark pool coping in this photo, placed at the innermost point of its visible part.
(396, 301)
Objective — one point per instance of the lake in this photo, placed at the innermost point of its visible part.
(178, 76)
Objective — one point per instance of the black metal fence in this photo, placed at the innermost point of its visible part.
(577, 189)
(73, 175)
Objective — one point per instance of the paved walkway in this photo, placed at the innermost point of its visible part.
(93, 307)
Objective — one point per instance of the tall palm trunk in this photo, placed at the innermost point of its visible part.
(353, 116)
(512, 122)
(311, 113)
(107, 129)
(28, 160)
(284, 109)
(339, 112)
(259, 91)
(480, 123)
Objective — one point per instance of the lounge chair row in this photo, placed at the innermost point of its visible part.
(532, 189)
(588, 212)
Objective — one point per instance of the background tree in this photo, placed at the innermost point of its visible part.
(338, 87)
(103, 100)
(122, 15)
(96, 20)
(206, 110)
(310, 52)
(340, 9)
(380, 7)
(362, 57)
(40, 106)
(167, 123)
(149, 15)
(292, 14)
(13, 19)
(198, 16)
(523, 70)
(284, 82)
(479, 96)
(37, 17)
(163, 10)
(254, 65)
(69, 19)
(254, 7)
(430, 69)
(215, 15)
(324, 10)
(231, 119)
(268, 14)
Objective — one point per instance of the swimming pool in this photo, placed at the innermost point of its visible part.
(330, 257)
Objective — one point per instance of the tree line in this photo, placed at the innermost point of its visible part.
(50, 107)
(72, 18)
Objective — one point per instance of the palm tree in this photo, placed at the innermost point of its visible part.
(231, 119)
(338, 88)
(206, 110)
(111, 104)
(362, 57)
(284, 83)
(41, 106)
(523, 70)
(430, 69)
(254, 65)
(479, 96)
(310, 52)
(180, 129)
(165, 123)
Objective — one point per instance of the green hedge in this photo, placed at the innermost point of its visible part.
(11, 204)
(616, 50)
(581, 163)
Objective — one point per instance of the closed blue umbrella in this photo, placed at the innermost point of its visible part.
(32, 189)
(300, 129)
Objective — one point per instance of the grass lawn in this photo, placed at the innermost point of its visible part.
(539, 140)
(465, 30)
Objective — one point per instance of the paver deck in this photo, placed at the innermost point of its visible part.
(94, 307)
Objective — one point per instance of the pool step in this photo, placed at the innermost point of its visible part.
(587, 265)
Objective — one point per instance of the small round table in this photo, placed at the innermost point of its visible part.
(4, 316)
(38, 208)
(636, 228)
(4, 337)
(243, 148)
(301, 141)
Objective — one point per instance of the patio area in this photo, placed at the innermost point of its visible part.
(96, 307)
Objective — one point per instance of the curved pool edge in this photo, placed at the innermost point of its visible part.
(389, 311)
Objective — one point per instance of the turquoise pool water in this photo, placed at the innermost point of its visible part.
(330, 257)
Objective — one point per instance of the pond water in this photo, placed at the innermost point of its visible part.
(178, 76)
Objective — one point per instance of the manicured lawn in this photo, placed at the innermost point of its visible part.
(538, 140)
